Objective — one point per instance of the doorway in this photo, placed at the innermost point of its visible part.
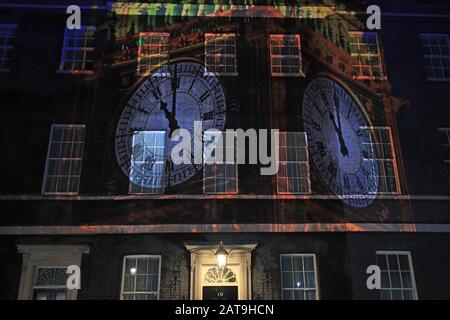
(210, 282)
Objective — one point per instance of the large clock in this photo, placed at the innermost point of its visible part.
(340, 142)
(172, 97)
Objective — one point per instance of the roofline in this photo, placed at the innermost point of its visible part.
(110, 6)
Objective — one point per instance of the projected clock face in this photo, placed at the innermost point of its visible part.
(168, 102)
(339, 141)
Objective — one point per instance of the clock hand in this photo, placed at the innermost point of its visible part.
(331, 115)
(337, 105)
(174, 91)
(344, 150)
(173, 124)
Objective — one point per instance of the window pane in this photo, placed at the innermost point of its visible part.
(153, 52)
(287, 278)
(406, 279)
(293, 165)
(379, 158)
(310, 280)
(288, 295)
(382, 261)
(299, 294)
(77, 50)
(220, 53)
(298, 276)
(309, 263)
(7, 40)
(311, 295)
(393, 280)
(219, 173)
(436, 50)
(285, 55)
(143, 282)
(286, 263)
(393, 264)
(147, 162)
(366, 55)
(63, 165)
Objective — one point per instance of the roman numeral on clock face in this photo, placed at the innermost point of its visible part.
(204, 96)
(208, 115)
(346, 182)
(314, 124)
(325, 99)
(321, 148)
(332, 170)
(192, 85)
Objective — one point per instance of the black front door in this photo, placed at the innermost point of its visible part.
(220, 293)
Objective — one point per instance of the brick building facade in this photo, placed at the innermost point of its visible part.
(367, 108)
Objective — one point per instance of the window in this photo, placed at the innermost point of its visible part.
(366, 56)
(285, 55)
(220, 53)
(220, 170)
(141, 277)
(7, 36)
(64, 158)
(436, 50)
(147, 162)
(50, 283)
(397, 275)
(379, 159)
(78, 51)
(153, 52)
(293, 171)
(44, 271)
(445, 139)
(299, 277)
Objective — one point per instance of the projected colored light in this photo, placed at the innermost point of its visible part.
(222, 10)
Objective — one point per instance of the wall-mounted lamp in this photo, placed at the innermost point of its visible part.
(132, 271)
(221, 255)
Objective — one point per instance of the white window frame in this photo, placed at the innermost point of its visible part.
(49, 287)
(211, 69)
(287, 161)
(34, 256)
(227, 161)
(411, 269)
(138, 256)
(273, 56)
(44, 184)
(394, 157)
(316, 274)
(6, 49)
(144, 69)
(83, 49)
(431, 56)
(145, 190)
(378, 55)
